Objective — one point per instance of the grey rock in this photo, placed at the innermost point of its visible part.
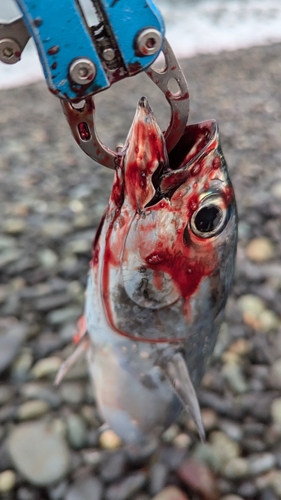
(12, 335)
(261, 463)
(127, 488)
(76, 431)
(72, 393)
(113, 466)
(39, 453)
(85, 489)
(158, 478)
(64, 315)
(6, 394)
(32, 409)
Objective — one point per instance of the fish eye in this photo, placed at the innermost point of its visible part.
(210, 218)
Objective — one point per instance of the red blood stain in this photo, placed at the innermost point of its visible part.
(53, 50)
(84, 131)
(216, 162)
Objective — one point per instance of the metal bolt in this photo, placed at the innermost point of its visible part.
(10, 51)
(82, 71)
(108, 54)
(149, 42)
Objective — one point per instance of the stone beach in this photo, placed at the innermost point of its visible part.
(53, 445)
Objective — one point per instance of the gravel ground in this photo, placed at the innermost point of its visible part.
(52, 443)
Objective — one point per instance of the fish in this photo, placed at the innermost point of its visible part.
(161, 270)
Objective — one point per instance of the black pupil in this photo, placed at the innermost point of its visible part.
(207, 219)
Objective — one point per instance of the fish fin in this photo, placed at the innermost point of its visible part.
(177, 373)
(71, 360)
(81, 329)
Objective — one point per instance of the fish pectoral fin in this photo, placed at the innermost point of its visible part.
(176, 371)
(71, 360)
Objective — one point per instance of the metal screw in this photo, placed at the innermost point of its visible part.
(10, 51)
(149, 42)
(82, 71)
(108, 54)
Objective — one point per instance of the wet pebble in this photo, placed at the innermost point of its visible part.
(199, 478)
(76, 431)
(47, 258)
(170, 493)
(32, 409)
(276, 411)
(109, 440)
(64, 315)
(114, 466)
(223, 448)
(236, 468)
(14, 226)
(86, 488)
(260, 249)
(38, 452)
(127, 488)
(158, 477)
(72, 393)
(261, 463)
(7, 481)
(47, 367)
(12, 335)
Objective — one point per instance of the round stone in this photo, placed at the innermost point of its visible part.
(260, 249)
(276, 411)
(32, 409)
(7, 481)
(39, 453)
(109, 440)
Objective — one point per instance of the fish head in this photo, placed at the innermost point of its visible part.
(169, 233)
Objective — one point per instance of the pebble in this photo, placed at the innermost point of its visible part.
(32, 409)
(274, 375)
(170, 493)
(260, 249)
(72, 393)
(22, 365)
(47, 258)
(113, 466)
(39, 453)
(47, 367)
(56, 228)
(233, 374)
(6, 394)
(256, 315)
(158, 477)
(76, 431)
(231, 497)
(87, 488)
(276, 411)
(109, 440)
(236, 468)
(40, 390)
(261, 463)
(12, 335)
(223, 448)
(199, 478)
(14, 226)
(126, 488)
(7, 481)
(64, 315)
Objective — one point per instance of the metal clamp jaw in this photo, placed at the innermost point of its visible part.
(82, 119)
(80, 60)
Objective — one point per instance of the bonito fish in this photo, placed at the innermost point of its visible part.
(162, 267)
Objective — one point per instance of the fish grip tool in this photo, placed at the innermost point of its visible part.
(81, 118)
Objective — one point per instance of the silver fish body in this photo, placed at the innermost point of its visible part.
(162, 267)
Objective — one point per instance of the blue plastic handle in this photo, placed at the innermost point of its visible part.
(62, 36)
